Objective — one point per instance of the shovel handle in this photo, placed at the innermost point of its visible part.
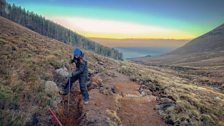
(55, 117)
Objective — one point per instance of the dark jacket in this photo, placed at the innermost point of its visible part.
(81, 67)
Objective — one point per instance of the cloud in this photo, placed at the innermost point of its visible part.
(106, 28)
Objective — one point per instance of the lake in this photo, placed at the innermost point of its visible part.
(132, 52)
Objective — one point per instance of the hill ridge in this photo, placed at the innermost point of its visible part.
(208, 46)
(212, 40)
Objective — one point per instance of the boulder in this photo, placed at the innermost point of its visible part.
(51, 88)
(62, 71)
(217, 98)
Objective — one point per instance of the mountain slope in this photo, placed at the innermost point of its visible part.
(204, 50)
(212, 41)
(32, 70)
(50, 29)
(27, 61)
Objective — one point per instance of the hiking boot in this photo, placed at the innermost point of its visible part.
(86, 102)
(62, 93)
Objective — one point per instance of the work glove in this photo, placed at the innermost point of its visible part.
(70, 74)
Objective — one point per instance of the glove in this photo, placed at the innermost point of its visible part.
(70, 74)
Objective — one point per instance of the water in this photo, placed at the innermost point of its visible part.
(132, 52)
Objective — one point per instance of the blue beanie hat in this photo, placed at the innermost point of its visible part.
(77, 52)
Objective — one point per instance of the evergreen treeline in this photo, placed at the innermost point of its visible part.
(48, 28)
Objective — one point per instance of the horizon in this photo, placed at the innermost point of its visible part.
(132, 20)
(140, 42)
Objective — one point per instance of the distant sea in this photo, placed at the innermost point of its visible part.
(133, 52)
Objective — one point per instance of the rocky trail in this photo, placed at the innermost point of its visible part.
(115, 101)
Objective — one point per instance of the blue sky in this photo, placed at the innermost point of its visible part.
(171, 19)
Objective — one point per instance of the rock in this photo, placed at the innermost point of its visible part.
(217, 98)
(169, 121)
(100, 63)
(103, 91)
(161, 113)
(222, 87)
(100, 81)
(51, 88)
(110, 74)
(108, 90)
(123, 67)
(91, 71)
(62, 71)
(114, 90)
(93, 117)
(96, 81)
(132, 78)
(142, 93)
(164, 106)
(144, 90)
(166, 100)
(56, 101)
(170, 108)
(159, 107)
(148, 92)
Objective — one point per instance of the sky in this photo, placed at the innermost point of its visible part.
(132, 19)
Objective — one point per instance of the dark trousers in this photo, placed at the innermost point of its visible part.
(82, 85)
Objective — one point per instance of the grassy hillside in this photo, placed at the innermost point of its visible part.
(181, 102)
(28, 60)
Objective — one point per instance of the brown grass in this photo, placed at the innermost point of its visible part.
(195, 105)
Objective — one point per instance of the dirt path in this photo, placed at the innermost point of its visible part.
(124, 107)
(135, 109)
